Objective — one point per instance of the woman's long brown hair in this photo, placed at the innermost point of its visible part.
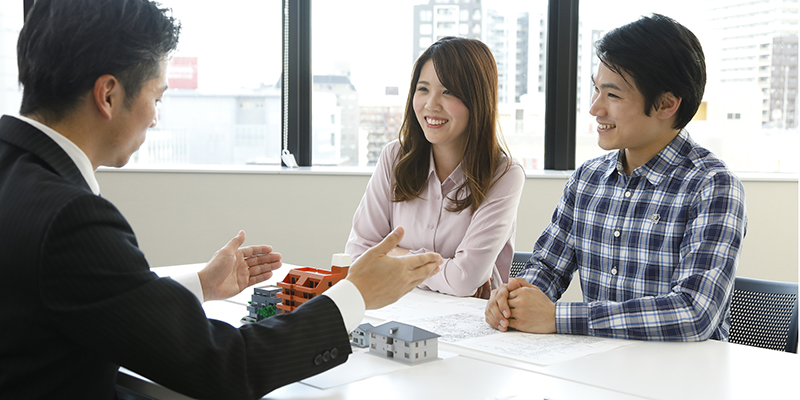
(467, 69)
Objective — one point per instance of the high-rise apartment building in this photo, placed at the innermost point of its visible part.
(441, 18)
(347, 103)
(507, 33)
(381, 125)
(758, 44)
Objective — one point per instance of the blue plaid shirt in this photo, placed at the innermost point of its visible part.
(656, 251)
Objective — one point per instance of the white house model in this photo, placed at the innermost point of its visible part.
(360, 335)
(403, 342)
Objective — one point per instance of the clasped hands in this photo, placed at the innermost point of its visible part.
(521, 306)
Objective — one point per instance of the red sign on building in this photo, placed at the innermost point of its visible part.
(182, 73)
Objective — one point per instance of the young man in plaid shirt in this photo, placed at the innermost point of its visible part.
(654, 228)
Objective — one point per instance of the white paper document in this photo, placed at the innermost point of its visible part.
(461, 321)
(542, 349)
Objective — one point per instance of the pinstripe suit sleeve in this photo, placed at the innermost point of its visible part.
(99, 291)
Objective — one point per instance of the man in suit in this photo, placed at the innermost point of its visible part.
(78, 298)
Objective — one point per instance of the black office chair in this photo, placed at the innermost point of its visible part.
(764, 314)
(518, 263)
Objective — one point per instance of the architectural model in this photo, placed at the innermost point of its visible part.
(303, 284)
(402, 342)
(360, 337)
(263, 304)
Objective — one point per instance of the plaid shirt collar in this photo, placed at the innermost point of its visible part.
(662, 164)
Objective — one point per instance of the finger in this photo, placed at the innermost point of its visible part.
(249, 251)
(263, 259)
(502, 301)
(523, 283)
(390, 241)
(236, 242)
(259, 278)
(425, 271)
(492, 313)
(418, 260)
(263, 268)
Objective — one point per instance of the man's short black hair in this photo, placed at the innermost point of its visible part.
(661, 56)
(65, 46)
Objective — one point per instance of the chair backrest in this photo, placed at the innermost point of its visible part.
(518, 263)
(764, 314)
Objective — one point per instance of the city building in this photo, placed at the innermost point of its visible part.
(441, 18)
(241, 127)
(507, 34)
(339, 127)
(757, 45)
(380, 125)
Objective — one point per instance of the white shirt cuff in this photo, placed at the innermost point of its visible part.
(191, 281)
(349, 301)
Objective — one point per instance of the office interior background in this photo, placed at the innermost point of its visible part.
(212, 164)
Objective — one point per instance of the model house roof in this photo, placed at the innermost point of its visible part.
(401, 331)
(366, 326)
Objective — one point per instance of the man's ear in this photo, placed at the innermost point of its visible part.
(668, 105)
(107, 95)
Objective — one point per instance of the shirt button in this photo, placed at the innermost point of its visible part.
(430, 226)
(628, 194)
(613, 270)
(616, 233)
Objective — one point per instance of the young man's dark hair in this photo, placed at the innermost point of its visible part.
(124, 38)
(661, 56)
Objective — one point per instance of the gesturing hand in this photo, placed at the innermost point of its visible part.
(234, 268)
(383, 279)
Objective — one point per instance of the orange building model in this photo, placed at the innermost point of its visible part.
(303, 284)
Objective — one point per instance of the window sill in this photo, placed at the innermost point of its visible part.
(367, 171)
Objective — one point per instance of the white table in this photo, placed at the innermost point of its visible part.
(655, 370)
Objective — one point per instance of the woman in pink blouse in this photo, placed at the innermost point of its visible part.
(448, 179)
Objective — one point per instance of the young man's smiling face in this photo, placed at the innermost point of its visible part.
(618, 108)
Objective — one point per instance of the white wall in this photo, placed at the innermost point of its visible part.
(184, 217)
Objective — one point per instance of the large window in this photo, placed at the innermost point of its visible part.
(224, 101)
(362, 60)
(748, 116)
(10, 24)
(225, 107)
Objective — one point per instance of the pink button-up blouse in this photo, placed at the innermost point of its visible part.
(475, 246)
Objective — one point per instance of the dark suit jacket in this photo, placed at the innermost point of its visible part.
(77, 299)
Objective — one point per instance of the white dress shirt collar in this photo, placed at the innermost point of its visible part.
(73, 151)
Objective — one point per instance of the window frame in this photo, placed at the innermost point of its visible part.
(561, 83)
(560, 73)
